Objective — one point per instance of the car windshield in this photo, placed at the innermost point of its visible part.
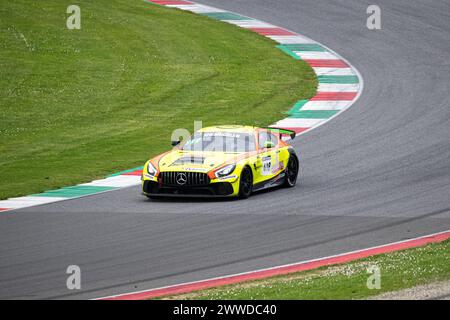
(221, 142)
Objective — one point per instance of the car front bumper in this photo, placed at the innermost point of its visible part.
(217, 189)
(165, 184)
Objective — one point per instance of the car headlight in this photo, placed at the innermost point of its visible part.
(225, 171)
(151, 170)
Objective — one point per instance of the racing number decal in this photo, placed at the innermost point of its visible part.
(271, 164)
(266, 165)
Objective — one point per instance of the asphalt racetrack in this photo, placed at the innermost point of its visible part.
(378, 173)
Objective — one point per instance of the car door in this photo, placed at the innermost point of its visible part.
(268, 161)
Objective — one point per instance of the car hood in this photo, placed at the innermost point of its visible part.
(179, 160)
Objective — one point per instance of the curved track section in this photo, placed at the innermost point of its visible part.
(339, 86)
(378, 173)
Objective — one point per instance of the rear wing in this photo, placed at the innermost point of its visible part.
(281, 132)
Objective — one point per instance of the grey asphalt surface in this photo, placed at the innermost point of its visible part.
(380, 172)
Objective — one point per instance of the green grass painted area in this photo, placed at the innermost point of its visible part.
(399, 270)
(72, 192)
(303, 47)
(76, 105)
(289, 52)
(224, 16)
(296, 107)
(314, 114)
(338, 79)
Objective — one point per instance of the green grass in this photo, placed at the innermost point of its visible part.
(76, 105)
(399, 270)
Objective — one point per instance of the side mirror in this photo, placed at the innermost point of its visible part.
(269, 144)
(175, 143)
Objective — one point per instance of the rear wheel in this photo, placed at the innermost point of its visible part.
(291, 172)
(246, 183)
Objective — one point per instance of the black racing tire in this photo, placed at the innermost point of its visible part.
(245, 183)
(291, 172)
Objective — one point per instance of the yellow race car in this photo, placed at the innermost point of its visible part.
(223, 161)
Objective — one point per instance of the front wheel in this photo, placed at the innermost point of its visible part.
(291, 172)
(246, 183)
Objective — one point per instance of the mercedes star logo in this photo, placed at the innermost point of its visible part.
(181, 178)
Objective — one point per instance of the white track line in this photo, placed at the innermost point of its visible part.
(325, 105)
(196, 8)
(316, 55)
(337, 87)
(334, 71)
(250, 23)
(120, 181)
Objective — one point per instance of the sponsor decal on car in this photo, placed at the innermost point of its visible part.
(196, 169)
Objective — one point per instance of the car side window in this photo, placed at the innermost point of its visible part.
(266, 136)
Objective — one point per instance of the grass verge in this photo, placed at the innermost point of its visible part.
(78, 104)
(399, 270)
